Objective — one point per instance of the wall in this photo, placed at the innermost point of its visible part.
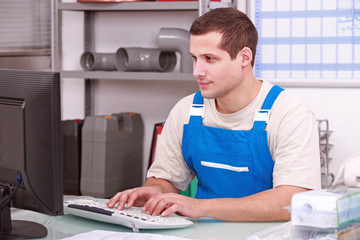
(155, 99)
(339, 106)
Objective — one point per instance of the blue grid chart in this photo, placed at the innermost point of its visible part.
(308, 39)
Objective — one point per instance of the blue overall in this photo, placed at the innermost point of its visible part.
(229, 163)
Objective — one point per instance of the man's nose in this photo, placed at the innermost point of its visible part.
(198, 70)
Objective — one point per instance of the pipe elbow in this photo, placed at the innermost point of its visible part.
(178, 40)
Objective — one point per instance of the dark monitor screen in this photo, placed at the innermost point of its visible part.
(30, 148)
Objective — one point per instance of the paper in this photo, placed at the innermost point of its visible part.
(111, 235)
(305, 233)
(277, 232)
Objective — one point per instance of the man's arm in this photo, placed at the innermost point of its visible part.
(264, 206)
(159, 196)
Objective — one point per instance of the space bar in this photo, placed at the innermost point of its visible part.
(91, 209)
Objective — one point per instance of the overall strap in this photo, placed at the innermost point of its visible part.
(197, 109)
(261, 116)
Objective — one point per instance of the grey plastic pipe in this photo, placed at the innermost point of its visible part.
(178, 40)
(144, 59)
(97, 61)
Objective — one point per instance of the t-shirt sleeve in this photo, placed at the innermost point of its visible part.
(169, 163)
(296, 150)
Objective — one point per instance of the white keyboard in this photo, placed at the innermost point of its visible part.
(133, 217)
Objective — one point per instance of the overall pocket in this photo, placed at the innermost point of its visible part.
(224, 166)
(223, 176)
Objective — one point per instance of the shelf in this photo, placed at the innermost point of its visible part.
(325, 148)
(115, 75)
(324, 134)
(132, 6)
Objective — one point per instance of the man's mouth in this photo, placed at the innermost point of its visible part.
(203, 84)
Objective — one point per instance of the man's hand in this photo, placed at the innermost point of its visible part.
(139, 196)
(134, 197)
(165, 204)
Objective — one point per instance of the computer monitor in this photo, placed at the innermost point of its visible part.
(30, 149)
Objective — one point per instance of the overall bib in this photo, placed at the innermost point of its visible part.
(229, 163)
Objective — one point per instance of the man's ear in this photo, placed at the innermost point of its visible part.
(246, 56)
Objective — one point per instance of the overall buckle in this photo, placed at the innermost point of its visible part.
(262, 115)
(197, 110)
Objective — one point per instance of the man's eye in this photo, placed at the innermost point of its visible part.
(210, 59)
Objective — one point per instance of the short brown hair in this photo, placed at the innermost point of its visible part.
(236, 28)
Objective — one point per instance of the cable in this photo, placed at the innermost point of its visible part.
(6, 200)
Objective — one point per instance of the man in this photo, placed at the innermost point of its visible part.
(248, 162)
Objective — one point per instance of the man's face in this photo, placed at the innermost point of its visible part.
(217, 75)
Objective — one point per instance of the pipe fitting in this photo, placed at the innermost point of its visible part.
(178, 40)
(144, 59)
(91, 61)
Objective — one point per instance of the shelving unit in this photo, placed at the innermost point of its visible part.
(90, 9)
(325, 146)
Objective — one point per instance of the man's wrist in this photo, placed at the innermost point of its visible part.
(162, 185)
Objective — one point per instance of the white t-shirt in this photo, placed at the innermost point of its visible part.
(292, 137)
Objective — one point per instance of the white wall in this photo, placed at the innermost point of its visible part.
(155, 99)
(339, 106)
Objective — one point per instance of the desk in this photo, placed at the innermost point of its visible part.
(206, 228)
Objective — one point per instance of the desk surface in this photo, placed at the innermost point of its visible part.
(206, 228)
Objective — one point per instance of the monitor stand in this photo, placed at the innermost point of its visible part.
(18, 229)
